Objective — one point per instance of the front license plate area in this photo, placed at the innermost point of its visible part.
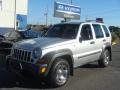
(16, 65)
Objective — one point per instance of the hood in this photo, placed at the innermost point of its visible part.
(38, 42)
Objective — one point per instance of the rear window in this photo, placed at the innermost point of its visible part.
(106, 31)
(98, 31)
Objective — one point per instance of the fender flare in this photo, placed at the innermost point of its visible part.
(107, 46)
(51, 57)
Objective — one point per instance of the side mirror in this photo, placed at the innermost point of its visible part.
(80, 39)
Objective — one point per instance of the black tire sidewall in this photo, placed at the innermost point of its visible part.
(101, 62)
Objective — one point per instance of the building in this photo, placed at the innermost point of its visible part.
(13, 14)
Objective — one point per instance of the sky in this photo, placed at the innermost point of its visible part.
(109, 10)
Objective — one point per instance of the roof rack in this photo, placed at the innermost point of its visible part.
(99, 20)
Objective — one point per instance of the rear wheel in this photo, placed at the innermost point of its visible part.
(105, 58)
(59, 73)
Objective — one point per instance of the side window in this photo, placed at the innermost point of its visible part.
(106, 31)
(86, 32)
(98, 31)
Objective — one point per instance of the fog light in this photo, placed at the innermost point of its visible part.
(43, 69)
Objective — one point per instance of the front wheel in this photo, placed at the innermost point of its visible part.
(105, 58)
(59, 73)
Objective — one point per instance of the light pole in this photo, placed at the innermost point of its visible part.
(15, 15)
(71, 2)
(0, 4)
(46, 15)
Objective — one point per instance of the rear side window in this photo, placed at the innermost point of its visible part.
(106, 31)
(98, 31)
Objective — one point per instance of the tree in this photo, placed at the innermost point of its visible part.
(115, 32)
(114, 28)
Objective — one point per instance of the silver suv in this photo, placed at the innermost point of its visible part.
(64, 47)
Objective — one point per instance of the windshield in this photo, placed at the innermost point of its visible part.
(68, 31)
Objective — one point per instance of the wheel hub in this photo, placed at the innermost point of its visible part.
(62, 74)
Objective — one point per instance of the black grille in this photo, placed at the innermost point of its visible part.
(22, 55)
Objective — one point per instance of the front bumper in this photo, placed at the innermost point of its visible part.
(18, 66)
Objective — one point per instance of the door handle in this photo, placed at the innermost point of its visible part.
(104, 40)
(93, 42)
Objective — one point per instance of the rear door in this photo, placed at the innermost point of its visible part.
(99, 38)
(107, 34)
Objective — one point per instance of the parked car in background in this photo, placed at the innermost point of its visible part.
(10, 37)
(1, 38)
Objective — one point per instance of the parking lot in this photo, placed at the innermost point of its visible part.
(88, 77)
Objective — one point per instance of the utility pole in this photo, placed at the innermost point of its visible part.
(46, 16)
(71, 2)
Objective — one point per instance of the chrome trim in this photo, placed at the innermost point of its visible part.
(89, 54)
(22, 55)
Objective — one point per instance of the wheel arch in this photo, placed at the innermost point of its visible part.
(69, 59)
(110, 50)
(64, 54)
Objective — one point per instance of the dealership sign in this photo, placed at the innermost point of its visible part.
(21, 21)
(66, 11)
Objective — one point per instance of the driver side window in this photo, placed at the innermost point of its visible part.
(86, 32)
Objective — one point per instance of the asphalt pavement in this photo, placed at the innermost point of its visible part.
(88, 77)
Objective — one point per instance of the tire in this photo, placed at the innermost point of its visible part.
(59, 73)
(105, 58)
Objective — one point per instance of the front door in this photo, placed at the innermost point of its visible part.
(86, 46)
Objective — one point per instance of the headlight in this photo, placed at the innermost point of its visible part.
(37, 52)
